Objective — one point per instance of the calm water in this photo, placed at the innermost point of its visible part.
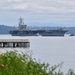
(53, 50)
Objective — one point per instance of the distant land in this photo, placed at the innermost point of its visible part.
(4, 29)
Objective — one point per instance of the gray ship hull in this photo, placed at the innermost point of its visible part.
(38, 32)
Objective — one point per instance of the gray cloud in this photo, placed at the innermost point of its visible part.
(40, 6)
(40, 10)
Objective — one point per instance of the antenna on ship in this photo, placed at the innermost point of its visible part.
(20, 21)
(21, 24)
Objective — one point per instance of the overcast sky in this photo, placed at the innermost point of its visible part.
(38, 12)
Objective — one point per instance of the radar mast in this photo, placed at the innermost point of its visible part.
(21, 24)
(20, 21)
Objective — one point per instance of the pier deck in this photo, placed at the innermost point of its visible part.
(5, 43)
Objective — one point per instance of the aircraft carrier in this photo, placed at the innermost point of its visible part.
(23, 31)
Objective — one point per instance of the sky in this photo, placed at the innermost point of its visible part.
(38, 12)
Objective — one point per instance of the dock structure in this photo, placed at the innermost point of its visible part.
(14, 43)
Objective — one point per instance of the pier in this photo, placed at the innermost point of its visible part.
(14, 43)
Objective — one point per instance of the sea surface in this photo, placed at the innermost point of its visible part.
(52, 50)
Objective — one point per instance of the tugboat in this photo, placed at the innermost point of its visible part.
(23, 31)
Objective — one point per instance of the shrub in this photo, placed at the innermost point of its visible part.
(14, 63)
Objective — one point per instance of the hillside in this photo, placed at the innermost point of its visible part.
(5, 29)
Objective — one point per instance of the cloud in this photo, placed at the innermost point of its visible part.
(40, 6)
(56, 6)
(40, 10)
(11, 0)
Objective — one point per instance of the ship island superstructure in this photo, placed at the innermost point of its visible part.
(23, 31)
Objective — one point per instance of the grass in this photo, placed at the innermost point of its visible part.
(14, 63)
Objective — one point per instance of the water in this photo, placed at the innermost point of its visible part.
(53, 50)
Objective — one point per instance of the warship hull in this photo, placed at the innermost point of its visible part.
(38, 32)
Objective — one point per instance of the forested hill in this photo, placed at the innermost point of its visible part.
(5, 29)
